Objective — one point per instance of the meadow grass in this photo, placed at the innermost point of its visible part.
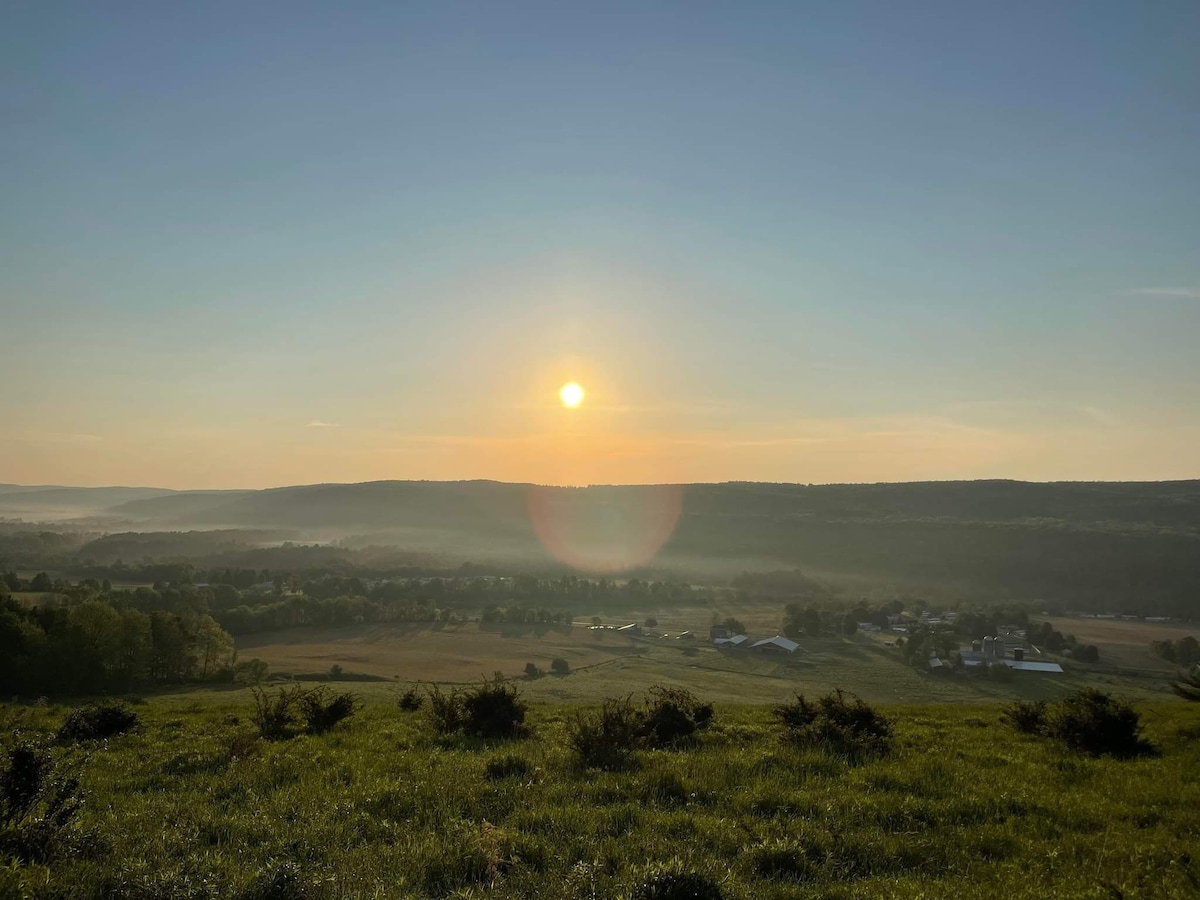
(192, 804)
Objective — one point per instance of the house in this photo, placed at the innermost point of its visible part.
(631, 628)
(685, 636)
(936, 666)
(777, 644)
(716, 632)
(731, 643)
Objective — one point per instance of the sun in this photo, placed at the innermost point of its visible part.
(571, 394)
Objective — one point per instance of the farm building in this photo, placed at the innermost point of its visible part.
(631, 628)
(731, 643)
(777, 644)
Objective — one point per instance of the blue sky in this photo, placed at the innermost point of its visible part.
(788, 242)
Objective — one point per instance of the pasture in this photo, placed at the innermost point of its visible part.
(604, 663)
(192, 804)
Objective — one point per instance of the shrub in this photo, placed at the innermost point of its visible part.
(510, 766)
(492, 710)
(838, 725)
(531, 670)
(321, 710)
(411, 700)
(560, 666)
(97, 722)
(1093, 722)
(607, 738)
(445, 710)
(1026, 717)
(673, 716)
(677, 886)
(37, 804)
(275, 714)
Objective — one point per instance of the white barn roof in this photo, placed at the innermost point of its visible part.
(778, 641)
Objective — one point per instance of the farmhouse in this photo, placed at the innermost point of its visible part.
(777, 644)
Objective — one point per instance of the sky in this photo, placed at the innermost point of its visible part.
(257, 244)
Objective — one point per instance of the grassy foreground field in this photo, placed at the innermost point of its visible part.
(191, 805)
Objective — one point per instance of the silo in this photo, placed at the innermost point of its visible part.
(998, 646)
(976, 646)
(989, 647)
(1018, 653)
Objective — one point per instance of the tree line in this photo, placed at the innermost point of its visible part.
(95, 646)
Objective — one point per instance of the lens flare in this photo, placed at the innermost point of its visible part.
(571, 395)
(605, 529)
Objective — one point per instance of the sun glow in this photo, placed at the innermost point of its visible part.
(571, 394)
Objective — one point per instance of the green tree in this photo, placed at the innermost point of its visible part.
(41, 582)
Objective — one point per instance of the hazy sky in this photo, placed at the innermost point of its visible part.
(249, 244)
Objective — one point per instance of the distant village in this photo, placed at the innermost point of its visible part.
(1009, 647)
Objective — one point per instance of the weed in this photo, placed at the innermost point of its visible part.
(321, 710)
(275, 713)
(38, 802)
(493, 709)
(606, 739)
(1027, 717)
(411, 700)
(839, 723)
(97, 722)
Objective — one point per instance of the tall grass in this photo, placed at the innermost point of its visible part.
(383, 806)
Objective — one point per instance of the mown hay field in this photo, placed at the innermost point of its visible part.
(192, 805)
(1126, 643)
(420, 652)
(605, 663)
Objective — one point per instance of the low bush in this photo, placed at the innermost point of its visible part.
(38, 803)
(667, 719)
(97, 722)
(607, 738)
(1027, 717)
(275, 713)
(493, 709)
(839, 723)
(673, 716)
(560, 666)
(531, 670)
(1093, 722)
(411, 700)
(322, 710)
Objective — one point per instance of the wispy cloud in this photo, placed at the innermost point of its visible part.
(1192, 293)
(317, 424)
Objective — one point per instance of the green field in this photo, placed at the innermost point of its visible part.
(190, 805)
(605, 663)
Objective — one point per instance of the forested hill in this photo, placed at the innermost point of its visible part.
(1171, 505)
(1111, 546)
